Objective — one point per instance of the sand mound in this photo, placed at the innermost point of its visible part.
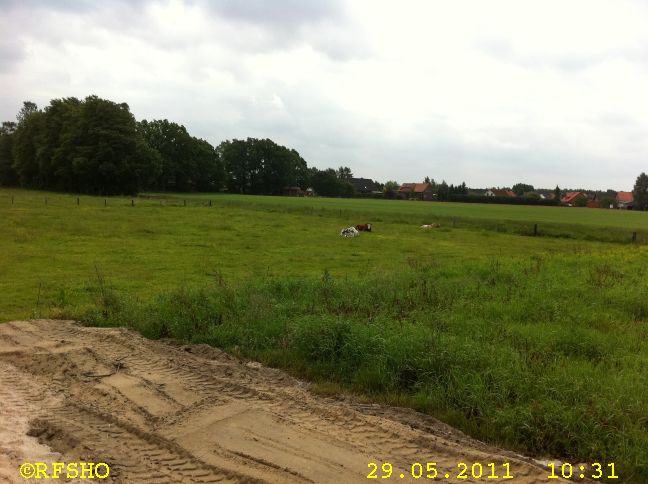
(159, 412)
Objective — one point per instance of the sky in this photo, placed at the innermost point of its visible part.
(545, 92)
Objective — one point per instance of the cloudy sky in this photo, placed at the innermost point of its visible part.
(488, 92)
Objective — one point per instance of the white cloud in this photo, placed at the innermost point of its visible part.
(492, 93)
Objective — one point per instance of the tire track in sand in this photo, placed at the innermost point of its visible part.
(159, 412)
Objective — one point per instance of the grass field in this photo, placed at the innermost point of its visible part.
(624, 219)
(536, 343)
(153, 247)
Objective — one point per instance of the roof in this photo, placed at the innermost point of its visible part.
(414, 187)
(503, 193)
(364, 184)
(625, 197)
(571, 196)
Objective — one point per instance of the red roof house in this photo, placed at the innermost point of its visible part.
(421, 191)
(496, 192)
(571, 197)
(625, 199)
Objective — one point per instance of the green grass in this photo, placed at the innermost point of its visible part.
(488, 214)
(50, 251)
(536, 343)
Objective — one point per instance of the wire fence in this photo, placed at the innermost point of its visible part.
(531, 228)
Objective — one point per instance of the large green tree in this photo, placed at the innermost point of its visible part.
(26, 143)
(521, 188)
(260, 166)
(640, 192)
(188, 163)
(390, 188)
(208, 175)
(60, 133)
(344, 173)
(234, 155)
(26, 111)
(8, 176)
(443, 191)
(326, 183)
(89, 146)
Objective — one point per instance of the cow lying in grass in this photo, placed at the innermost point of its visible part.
(363, 227)
(431, 226)
(350, 232)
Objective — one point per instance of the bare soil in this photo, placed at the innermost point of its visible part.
(162, 412)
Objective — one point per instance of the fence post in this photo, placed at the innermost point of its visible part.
(77, 201)
(210, 203)
(132, 202)
(634, 237)
(535, 229)
(105, 203)
(12, 199)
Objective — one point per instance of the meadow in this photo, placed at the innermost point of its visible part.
(623, 219)
(539, 343)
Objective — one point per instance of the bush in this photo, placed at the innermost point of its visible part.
(502, 200)
(543, 355)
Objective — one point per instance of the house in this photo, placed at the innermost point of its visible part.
(593, 203)
(571, 197)
(364, 185)
(293, 192)
(420, 191)
(625, 200)
(496, 192)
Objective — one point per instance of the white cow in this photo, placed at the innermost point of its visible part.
(350, 232)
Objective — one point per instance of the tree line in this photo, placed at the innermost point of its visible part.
(96, 146)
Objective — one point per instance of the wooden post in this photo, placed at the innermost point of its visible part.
(12, 199)
(535, 229)
(105, 203)
(210, 203)
(132, 202)
(77, 201)
(634, 237)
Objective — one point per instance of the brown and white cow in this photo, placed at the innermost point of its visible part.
(363, 227)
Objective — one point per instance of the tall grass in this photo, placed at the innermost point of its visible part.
(545, 355)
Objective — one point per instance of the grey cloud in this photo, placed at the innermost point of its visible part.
(12, 51)
(263, 26)
(325, 25)
(213, 84)
(62, 22)
(278, 14)
(66, 5)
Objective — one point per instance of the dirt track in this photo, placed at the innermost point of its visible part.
(162, 413)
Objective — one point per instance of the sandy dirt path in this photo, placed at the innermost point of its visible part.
(158, 412)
